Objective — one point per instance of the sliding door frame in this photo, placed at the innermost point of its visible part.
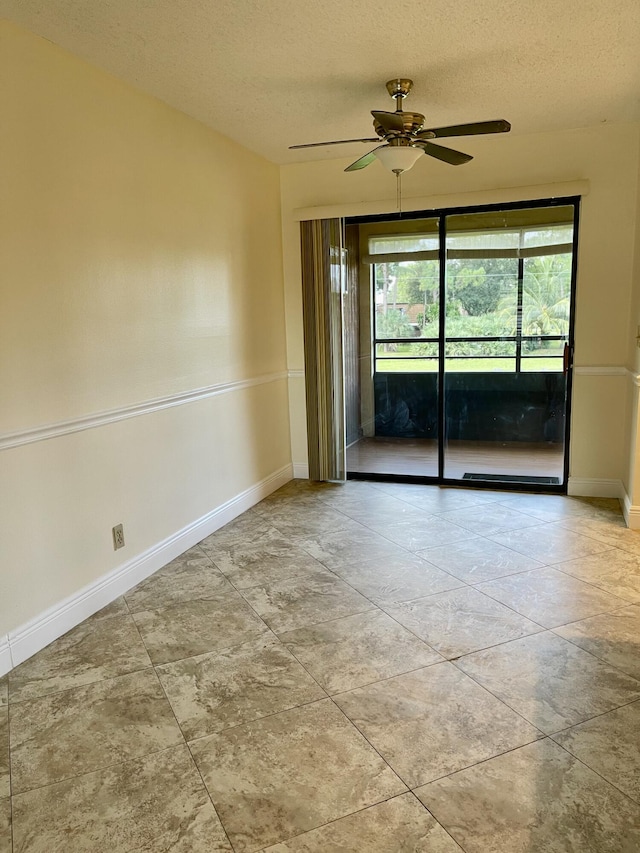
(442, 214)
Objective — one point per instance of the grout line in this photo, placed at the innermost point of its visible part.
(593, 654)
(481, 761)
(100, 769)
(595, 717)
(194, 762)
(259, 719)
(407, 793)
(296, 542)
(593, 770)
(15, 702)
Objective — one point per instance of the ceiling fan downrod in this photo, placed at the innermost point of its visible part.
(399, 89)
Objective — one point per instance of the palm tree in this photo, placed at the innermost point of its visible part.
(546, 295)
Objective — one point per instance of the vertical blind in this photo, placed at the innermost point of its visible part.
(322, 289)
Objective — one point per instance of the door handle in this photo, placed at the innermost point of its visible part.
(566, 359)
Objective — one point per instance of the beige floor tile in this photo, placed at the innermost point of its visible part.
(335, 494)
(97, 649)
(610, 745)
(557, 507)
(611, 532)
(290, 494)
(196, 627)
(429, 533)
(536, 798)
(491, 518)
(300, 520)
(432, 722)
(357, 650)
(551, 682)
(156, 804)
(460, 621)
(401, 825)
(190, 576)
(379, 508)
(250, 528)
(213, 692)
(98, 761)
(304, 601)
(118, 607)
(88, 728)
(277, 560)
(5, 826)
(436, 499)
(549, 597)
(335, 550)
(289, 773)
(549, 543)
(615, 571)
(478, 560)
(612, 637)
(389, 580)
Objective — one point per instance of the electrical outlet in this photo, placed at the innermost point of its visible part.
(118, 537)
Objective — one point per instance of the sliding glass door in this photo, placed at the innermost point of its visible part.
(400, 425)
(508, 306)
(465, 341)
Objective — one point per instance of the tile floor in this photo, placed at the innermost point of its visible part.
(369, 668)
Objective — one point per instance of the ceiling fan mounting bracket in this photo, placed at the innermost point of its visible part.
(399, 88)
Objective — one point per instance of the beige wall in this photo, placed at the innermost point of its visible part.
(607, 158)
(632, 437)
(141, 259)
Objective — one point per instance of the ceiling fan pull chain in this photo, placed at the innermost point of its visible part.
(399, 190)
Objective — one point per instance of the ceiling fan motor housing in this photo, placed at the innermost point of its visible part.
(413, 123)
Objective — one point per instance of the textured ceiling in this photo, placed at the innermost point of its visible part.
(271, 73)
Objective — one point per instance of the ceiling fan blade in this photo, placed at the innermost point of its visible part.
(364, 160)
(335, 142)
(390, 122)
(471, 129)
(455, 158)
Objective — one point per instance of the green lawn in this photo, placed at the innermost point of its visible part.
(468, 365)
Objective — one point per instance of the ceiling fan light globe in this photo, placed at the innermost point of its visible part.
(398, 159)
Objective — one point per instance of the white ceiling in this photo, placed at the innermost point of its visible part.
(271, 73)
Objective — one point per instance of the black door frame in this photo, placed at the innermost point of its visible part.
(441, 214)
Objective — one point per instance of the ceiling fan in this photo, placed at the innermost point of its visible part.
(406, 139)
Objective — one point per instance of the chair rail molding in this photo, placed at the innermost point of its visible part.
(99, 419)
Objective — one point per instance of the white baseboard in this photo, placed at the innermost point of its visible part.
(28, 639)
(5, 655)
(301, 470)
(591, 488)
(631, 513)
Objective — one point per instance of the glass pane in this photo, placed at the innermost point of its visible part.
(385, 243)
(406, 358)
(546, 296)
(479, 356)
(406, 299)
(541, 364)
(484, 240)
(400, 421)
(548, 235)
(482, 297)
(505, 399)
